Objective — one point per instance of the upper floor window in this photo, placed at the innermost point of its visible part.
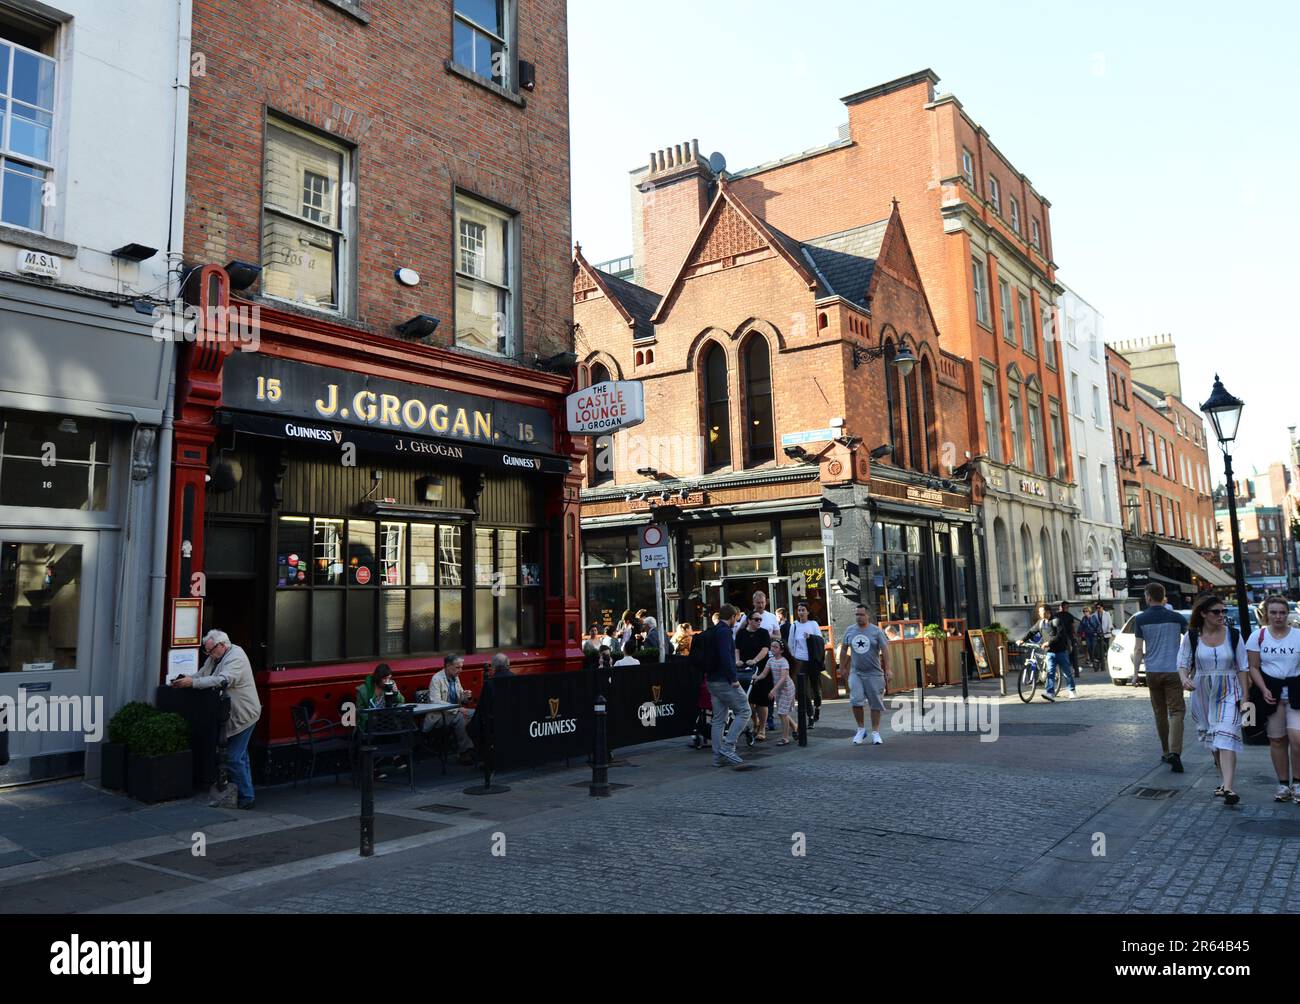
(981, 291)
(1036, 237)
(1096, 407)
(1058, 440)
(1026, 324)
(1008, 318)
(26, 127)
(482, 41)
(759, 433)
(306, 231)
(968, 167)
(995, 194)
(1016, 419)
(486, 277)
(992, 425)
(717, 408)
(1015, 214)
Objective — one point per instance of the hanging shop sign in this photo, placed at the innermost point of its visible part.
(258, 383)
(606, 407)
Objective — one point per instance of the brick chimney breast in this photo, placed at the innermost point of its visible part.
(670, 201)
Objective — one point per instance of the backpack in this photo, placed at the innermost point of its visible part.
(701, 653)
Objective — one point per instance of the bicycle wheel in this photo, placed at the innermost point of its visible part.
(1028, 683)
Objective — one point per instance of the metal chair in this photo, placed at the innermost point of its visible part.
(313, 738)
(396, 731)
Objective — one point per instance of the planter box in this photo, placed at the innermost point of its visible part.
(112, 766)
(160, 778)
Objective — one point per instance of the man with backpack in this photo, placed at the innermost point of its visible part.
(718, 655)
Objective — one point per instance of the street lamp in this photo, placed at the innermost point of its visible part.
(903, 359)
(1224, 412)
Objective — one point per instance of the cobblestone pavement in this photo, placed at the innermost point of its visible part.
(927, 823)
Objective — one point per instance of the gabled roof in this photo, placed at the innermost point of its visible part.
(845, 262)
(636, 304)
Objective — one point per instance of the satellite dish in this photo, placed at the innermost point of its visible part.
(717, 163)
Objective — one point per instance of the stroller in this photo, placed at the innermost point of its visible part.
(702, 738)
(731, 715)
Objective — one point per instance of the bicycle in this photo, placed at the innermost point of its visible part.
(1033, 672)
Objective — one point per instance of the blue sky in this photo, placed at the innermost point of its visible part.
(1164, 134)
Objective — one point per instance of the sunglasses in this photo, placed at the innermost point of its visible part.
(1217, 610)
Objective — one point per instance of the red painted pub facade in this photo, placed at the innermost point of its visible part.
(370, 456)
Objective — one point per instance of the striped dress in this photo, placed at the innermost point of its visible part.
(1215, 704)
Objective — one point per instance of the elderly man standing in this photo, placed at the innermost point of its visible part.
(227, 666)
(445, 688)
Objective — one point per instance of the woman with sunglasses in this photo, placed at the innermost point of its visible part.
(1212, 663)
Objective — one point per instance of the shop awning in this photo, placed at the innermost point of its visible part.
(1194, 563)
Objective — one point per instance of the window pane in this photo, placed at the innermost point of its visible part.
(293, 550)
(424, 554)
(5, 52)
(605, 550)
(229, 550)
(914, 540)
(22, 195)
(703, 543)
(449, 556)
(424, 621)
(893, 537)
(326, 625)
(33, 79)
(481, 318)
(291, 626)
(484, 620)
(606, 595)
(360, 636)
(463, 45)
(61, 438)
(66, 486)
(484, 564)
(801, 535)
(508, 615)
(302, 177)
(747, 540)
(327, 552)
(29, 131)
(362, 565)
(507, 557)
(392, 553)
(451, 630)
(40, 606)
(392, 622)
(485, 13)
(530, 617)
(299, 263)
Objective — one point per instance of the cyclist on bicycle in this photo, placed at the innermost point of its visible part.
(1039, 631)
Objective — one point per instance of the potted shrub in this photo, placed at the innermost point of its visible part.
(112, 759)
(159, 763)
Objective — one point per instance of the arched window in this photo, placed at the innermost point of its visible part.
(928, 417)
(717, 408)
(760, 443)
(1047, 565)
(600, 465)
(891, 404)
(1006, 562)
(1027, 565)
(915, 434)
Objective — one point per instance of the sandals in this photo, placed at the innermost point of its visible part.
(1231, 798)
(783, 742)
(760, 739)
(1220, 791)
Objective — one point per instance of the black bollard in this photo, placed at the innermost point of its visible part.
(804, 694)
(367, 799)
(965, 682)
(600, 756)
(920, 684)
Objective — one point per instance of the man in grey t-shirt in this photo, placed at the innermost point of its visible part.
(865, 645)
(1158, 633)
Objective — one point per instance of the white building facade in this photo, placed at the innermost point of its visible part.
(92, 168)
(1099, 546)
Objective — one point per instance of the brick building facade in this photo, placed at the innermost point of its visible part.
(765, 410)
(387, 477)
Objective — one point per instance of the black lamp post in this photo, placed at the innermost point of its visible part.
(1224, 412)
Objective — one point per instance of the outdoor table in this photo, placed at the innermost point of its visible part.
(426, 709)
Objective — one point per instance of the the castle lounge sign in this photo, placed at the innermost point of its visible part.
(280, 387)
(606, 407)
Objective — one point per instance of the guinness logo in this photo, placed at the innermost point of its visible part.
(554, 702)
(338, 436)
(655, 692)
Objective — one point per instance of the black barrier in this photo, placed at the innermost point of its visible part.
(202, 711)
(652, 702)
(541, 717)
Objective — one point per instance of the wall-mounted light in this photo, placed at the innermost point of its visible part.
(242, 274)
(881, 452)
(408, 276)
(796, 453)
(419, 327)
(134, 252)
(648, 472)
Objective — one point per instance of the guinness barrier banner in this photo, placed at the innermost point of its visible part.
(652, 702)
(541, 717)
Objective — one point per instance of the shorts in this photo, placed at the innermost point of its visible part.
(1284, 717)
(867, 689)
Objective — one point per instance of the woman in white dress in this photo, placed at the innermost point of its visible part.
(1212, 664)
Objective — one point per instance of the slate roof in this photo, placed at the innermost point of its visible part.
(845, 262)
(640, 302)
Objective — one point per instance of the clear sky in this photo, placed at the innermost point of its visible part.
(1164, 134)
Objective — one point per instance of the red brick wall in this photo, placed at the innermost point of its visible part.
(1123, 418)
(671, 216)
(419, 133)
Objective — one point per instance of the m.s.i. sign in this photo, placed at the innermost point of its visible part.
(282, 387)
(606, 407)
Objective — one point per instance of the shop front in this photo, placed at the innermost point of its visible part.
(351, 514)
(82, 395)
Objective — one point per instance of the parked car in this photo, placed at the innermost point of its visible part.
(1120, 662)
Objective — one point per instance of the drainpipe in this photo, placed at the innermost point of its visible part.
(175, 243)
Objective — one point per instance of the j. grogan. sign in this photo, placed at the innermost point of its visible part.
(606, 407)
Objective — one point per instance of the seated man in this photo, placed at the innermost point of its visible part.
(445, 688)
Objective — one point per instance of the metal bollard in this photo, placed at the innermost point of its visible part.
(1002, 671)
(367, 800)
(920, 683)
(600, 756)
(965, 678)
(804, 694)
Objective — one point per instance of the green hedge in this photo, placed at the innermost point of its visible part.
(127, 718)
(159, 735)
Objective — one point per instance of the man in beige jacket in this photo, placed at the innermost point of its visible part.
(445, 688)
(227, 666)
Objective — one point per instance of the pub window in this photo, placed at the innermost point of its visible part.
(27, 78)
(508, 594)
(306, 230)
(361, 589)
(481, 42)
(53, 462)
(717, 408)
(803, 556)
(614, 580)
(760, 441)
(896, 571)
(486, 276)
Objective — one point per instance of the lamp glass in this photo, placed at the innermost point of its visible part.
(905, 362)
(1224, 412)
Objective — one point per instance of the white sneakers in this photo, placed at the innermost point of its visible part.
(1284, 793)
(876, 740)
(859, 736)
(1069, 694)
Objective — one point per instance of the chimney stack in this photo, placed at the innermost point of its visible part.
(669, 199)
